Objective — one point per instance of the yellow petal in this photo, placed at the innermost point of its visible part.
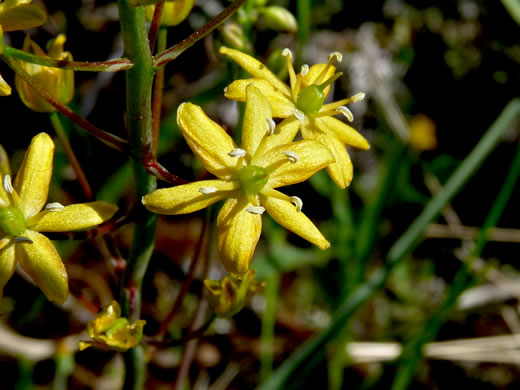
(43, 263)
(285, 213)
(34, 175)
(238, 234)
(73, 217)
(343, 131)
(7, 265)
(256, 117)
(281, 105)
(187, 198)
(5, 89)
(21, 17)
(256, 69)
(283, 134)
(314, 72)
(341, 171)
(311, 157)
(207, 140)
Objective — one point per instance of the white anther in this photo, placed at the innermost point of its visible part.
(255, 209)
(299, 115)
(237, 153)
(110, 310)
(293, 157)
(8, 185)
(297, 202)
(54, 206)
(358, 97)
(225, 89)
(337, 54)
(304, 70)
(345, 111)
(22, 239)
(207, 190)
(270, 126)
(287, 52)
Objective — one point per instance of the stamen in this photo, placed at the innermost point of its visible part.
(54, 206)
(299, 115)
(271, 125)
(237, 153)
(297, 202)
(345, 111)
(287, 52)
(358, 97)
(292, 156)
(207, 190)
(335, 55)
(22, 239)
(255, 209)
(225, 89)
(292, 76)
(304, 70)
(8, 185)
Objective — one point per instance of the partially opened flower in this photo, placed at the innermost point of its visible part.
(58, 82)
(22, 220)
(304, 101)
(20, 15)
(247, 177)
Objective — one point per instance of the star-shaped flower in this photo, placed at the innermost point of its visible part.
(22, 219)
(304, 101)
(247, 176)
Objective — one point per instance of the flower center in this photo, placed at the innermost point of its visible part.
(12, 221)
(253, 179)
(310, 99)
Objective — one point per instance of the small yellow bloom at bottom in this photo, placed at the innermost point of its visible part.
(110, 331)
(422, 133)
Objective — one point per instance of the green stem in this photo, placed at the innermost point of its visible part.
(315, 346)
(99, 66)
(268, 322)
(76, 166)
(412, 352)
(303, 14)
(139, 80)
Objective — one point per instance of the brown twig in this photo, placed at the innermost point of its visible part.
(155, 25)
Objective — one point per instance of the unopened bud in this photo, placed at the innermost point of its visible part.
(233, 36)
(174, 12)
(278, 18)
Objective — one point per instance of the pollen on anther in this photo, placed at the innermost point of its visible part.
(297, 202)
(292, 156)
(287, 52)
(54, 206)
(207, 190)
(299, 115)
(255, 210)
(304, 70)
(271, 125)
(358, 97)
(337, 54)
(345, 111)
(237, 153)
(8, 185)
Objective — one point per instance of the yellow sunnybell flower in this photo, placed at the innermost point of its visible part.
(174, 12)
(22, 220)
(58, 82)
(246, 177)
(20, 15)
(304, 101)
(110, 331)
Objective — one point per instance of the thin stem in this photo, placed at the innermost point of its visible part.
(158, 87)
(60, 131)
(314, 348)
(156, 26)
(109, 139)
(98, 66)
(173, 52)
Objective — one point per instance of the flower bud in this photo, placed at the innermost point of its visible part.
(174, 12)
(233, 36)
(20, 15)
(58, 82)
(422, 133)
(278, 18)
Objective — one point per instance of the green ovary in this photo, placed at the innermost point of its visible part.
(253, 179)
(310, 99)
(12, 221)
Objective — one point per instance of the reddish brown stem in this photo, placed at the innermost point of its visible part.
(154, 27)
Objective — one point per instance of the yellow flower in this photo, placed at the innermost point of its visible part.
(22, 219)
(422, 133)
(20, 15)
(304, 100)
(247, 177)
(111, 331)
(58, 82)
(174, 12)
